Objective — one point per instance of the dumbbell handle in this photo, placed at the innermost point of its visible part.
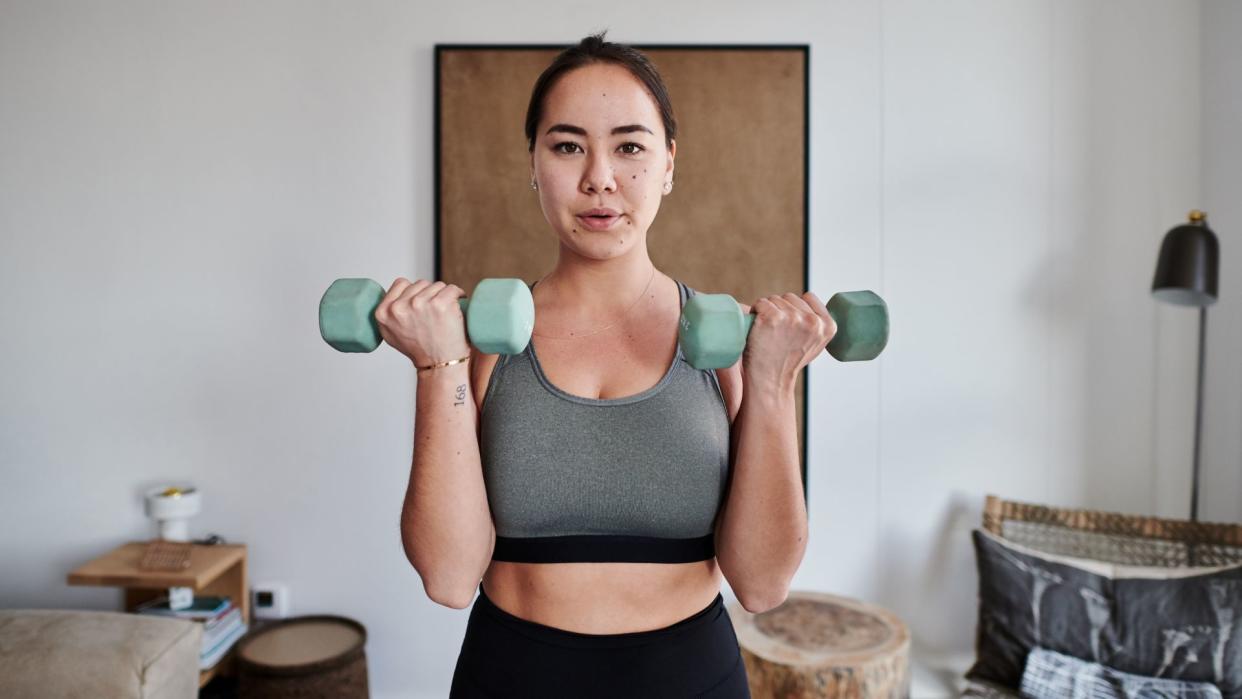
(462, 302)
(748, 320)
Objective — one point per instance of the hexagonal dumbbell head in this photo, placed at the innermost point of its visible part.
(500, 316)
(713, 331)
(347, 315)
(862, 325)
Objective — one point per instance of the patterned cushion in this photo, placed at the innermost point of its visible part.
(1053, 675)
(980, 689)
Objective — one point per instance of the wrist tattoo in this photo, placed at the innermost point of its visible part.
(460, 395)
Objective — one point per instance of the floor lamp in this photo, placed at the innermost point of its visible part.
(1186, 275)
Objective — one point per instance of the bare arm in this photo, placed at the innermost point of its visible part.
(446, 526)
(761, 530)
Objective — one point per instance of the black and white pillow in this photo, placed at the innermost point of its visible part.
(1178, 623)
(1053, 675)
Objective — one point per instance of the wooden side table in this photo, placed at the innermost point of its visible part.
(218, 570)
(821, 645)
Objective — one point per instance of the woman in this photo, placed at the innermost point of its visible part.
(596, 483)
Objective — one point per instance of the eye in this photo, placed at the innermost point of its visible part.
(560, 147)
(637, 148)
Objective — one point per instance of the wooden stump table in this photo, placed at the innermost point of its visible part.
(821, 645)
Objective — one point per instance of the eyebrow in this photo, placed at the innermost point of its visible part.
(578, 130)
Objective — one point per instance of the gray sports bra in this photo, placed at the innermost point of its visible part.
(575, 479)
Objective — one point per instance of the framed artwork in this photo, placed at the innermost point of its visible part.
(737, 222)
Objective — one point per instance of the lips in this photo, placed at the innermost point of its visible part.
(599, 219)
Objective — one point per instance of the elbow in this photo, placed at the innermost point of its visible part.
(440, 588)
(756, 592)
(449, 596)
(450, 576)
(455, 592)
(759, 601)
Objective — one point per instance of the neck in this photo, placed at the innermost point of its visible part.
(599, 289)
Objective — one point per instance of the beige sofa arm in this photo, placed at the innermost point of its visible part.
(98, 654)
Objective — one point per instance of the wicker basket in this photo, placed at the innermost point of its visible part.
(304, 657)
(1113, 537)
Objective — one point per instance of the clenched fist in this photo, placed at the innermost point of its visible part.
(423, 321)
(788, 332)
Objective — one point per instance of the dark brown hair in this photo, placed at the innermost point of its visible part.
(591, 50)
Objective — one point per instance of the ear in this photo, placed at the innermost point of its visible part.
(672, 153)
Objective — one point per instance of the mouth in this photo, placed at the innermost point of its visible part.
(599, 219)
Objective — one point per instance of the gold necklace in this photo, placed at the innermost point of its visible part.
(594, 332)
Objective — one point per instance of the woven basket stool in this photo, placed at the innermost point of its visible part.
(304, 657)
(821, 645)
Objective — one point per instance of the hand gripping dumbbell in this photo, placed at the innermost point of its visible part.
(713, 328)
(499, 316)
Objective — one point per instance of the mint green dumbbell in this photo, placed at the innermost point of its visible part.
(713, 328)
(499, 316)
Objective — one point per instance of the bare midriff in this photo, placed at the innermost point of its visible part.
(603, 598)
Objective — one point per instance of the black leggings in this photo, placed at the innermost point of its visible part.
(507, 656)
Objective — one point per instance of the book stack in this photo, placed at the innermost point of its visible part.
(221, 620)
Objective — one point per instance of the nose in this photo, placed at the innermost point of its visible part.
(598, 176)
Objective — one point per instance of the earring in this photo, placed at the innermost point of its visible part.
(533, 185)
(668, 186)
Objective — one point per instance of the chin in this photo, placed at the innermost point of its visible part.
(598, 246)
(602, 252)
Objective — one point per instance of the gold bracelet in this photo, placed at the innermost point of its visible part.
(451, 362)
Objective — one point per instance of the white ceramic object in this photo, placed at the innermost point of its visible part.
(172, 507)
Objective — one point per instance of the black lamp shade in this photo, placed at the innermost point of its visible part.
(1187, 269)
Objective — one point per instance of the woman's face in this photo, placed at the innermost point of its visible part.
(600, 160)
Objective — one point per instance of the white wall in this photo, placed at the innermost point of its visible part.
(1221, 461)
(179, 182)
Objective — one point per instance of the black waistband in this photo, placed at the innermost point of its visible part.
(603, 548)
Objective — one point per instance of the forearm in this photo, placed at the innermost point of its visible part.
(762, 534)
(446, 526)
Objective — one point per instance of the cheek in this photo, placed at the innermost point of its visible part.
(559, 177)
(640, 179)
(633, 173)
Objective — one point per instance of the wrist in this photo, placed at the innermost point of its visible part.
(443, 364)
(457, 371)
(771, 387)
